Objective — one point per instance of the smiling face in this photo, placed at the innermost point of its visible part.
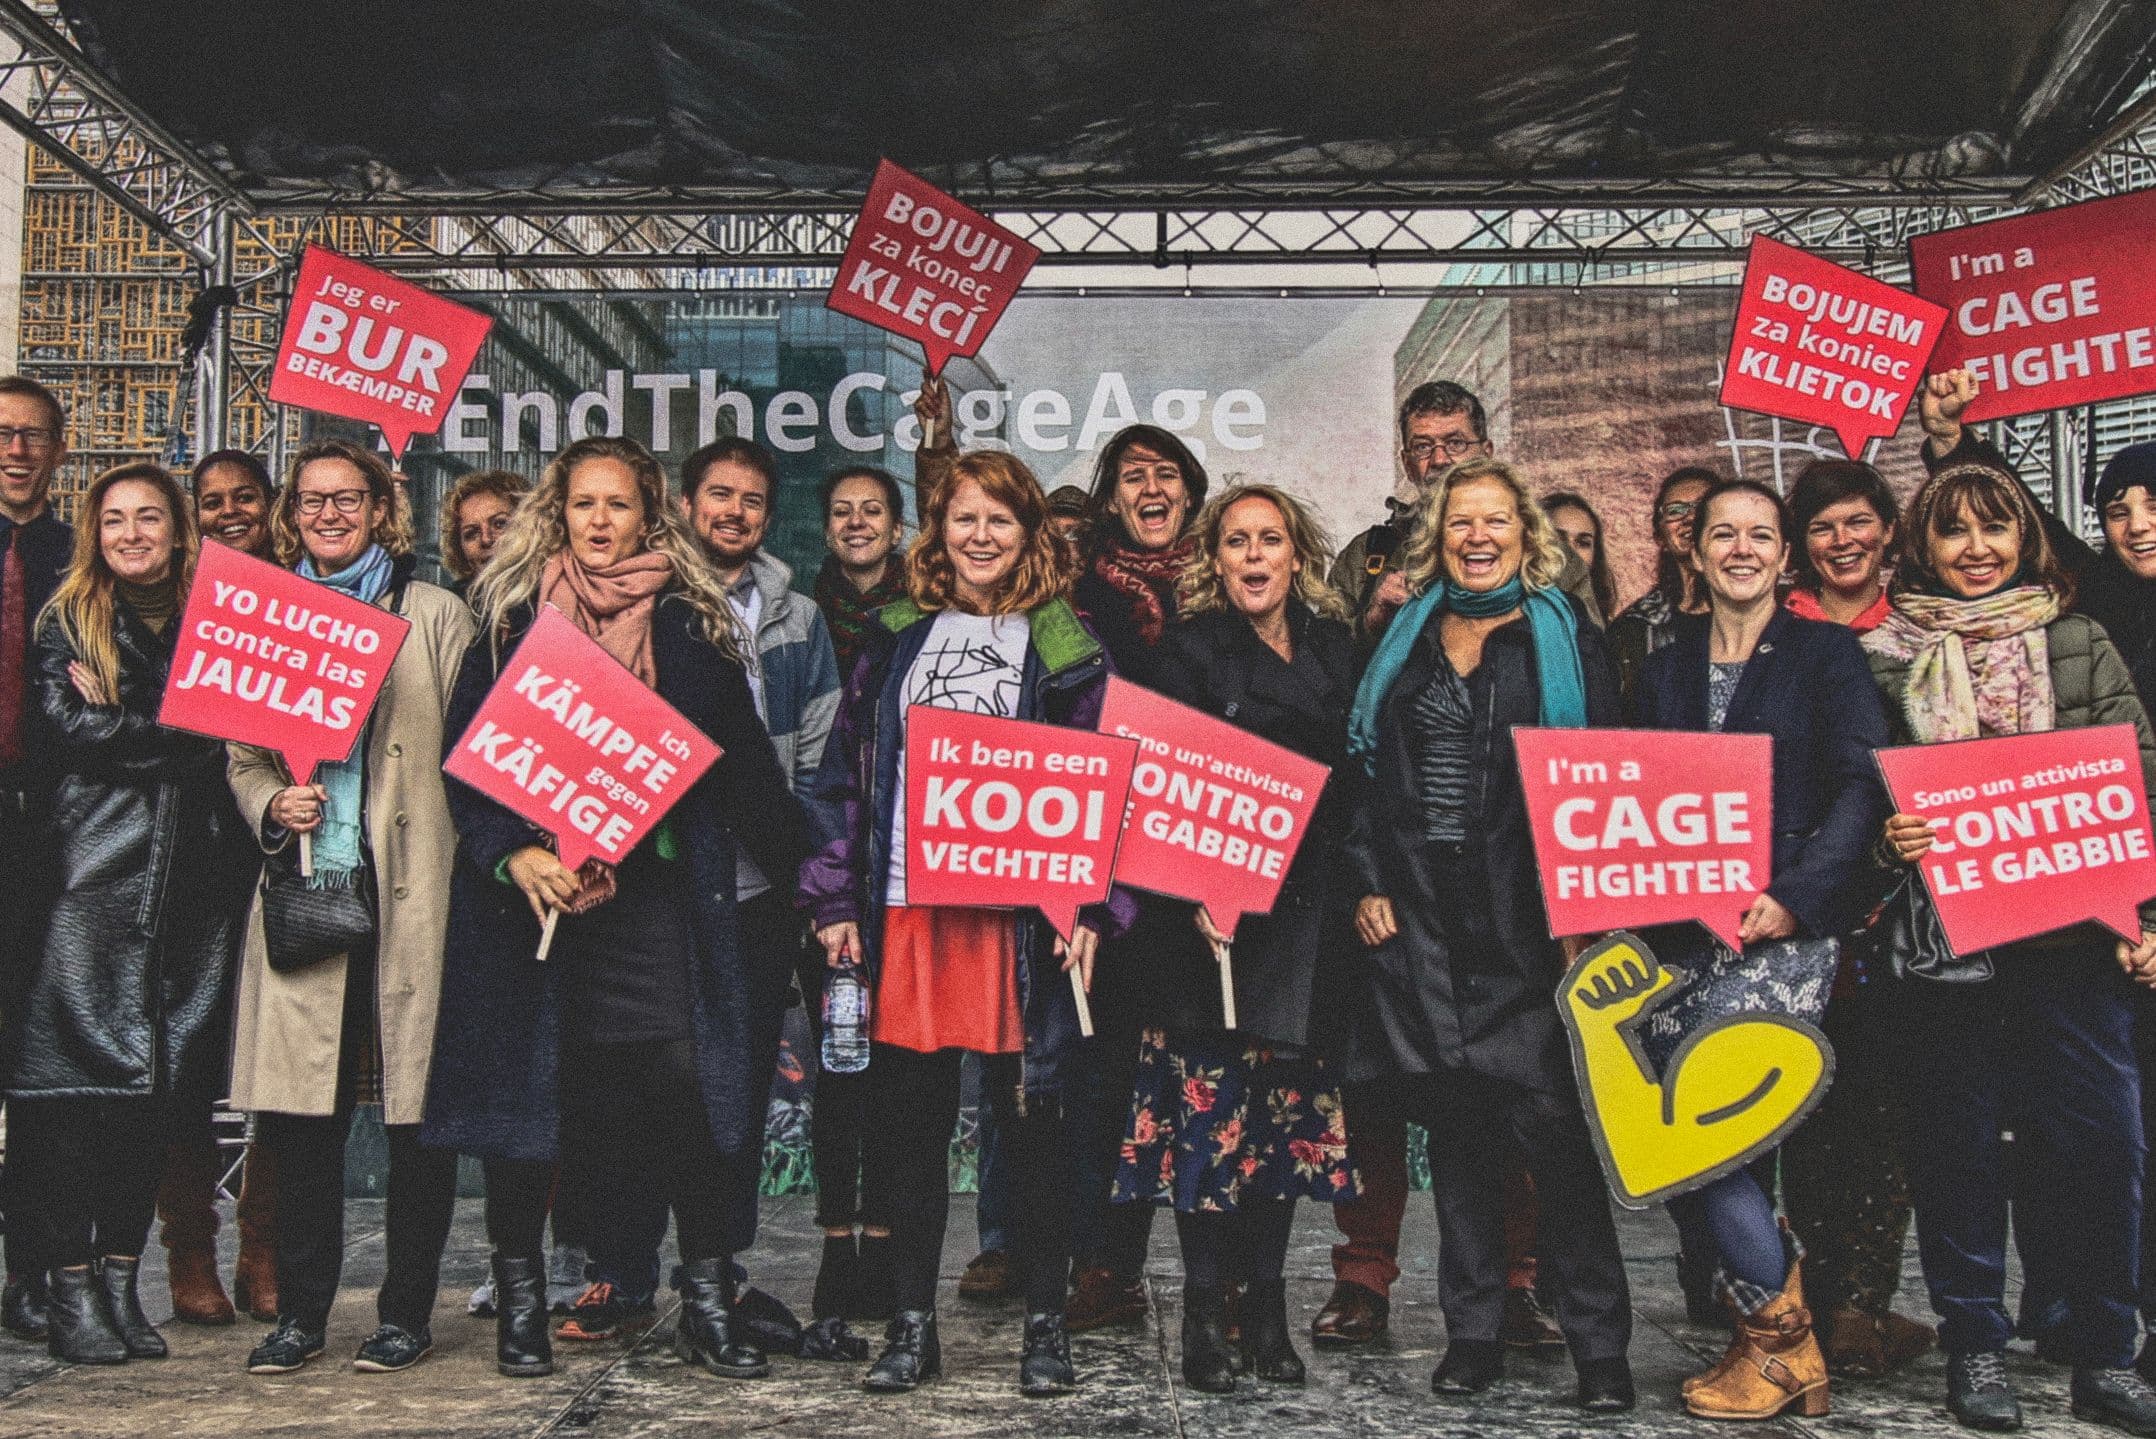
(1741, 551)
(1973, 555)
(983, 537)
(1576, 528)
(232, 508)
(1846, 542)
(729, 512)
(34, 449)
(1256, 558)
(335, 512)
(135, 532)
(604, 513)
(481, 518)
(1485, 540)
(2130, 530)
(1674, 516)
(1151, 498)
(859, 525)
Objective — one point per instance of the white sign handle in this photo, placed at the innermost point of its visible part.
(306, 854)
(546, 933)
(928, 434)
(1221, 953)
(1085, 1009)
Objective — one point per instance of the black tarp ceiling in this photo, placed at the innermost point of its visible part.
(794, 99)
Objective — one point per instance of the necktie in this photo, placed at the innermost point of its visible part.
(14, 651)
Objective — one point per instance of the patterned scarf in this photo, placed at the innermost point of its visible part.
(1976, 667)
(1149, 578)
(851, 613)
(336, 844)
(613, 605)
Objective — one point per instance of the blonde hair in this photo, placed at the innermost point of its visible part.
(83, 605)
(1201, 587)
(1045, 559)
(1423, 561)
(502, 484)
(538, 531)
(393, 532)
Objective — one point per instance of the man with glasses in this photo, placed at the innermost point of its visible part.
(34, 551)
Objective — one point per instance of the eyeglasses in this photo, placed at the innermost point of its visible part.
(31, 436)
(348, 502)
(1677, 510)
(1456, 448)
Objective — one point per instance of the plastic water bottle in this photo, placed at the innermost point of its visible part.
(845, 1021)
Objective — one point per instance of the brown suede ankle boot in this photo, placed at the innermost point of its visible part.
(1774, 1364)
(187, 1203)
(254, 1278)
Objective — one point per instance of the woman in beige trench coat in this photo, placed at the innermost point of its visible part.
(312, 1043)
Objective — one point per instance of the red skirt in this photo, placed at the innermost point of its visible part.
(949, 980)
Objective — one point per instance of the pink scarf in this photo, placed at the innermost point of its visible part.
(1976, 667)
(612, 605)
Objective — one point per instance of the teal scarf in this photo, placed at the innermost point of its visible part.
(1557, 655)
(337, 843)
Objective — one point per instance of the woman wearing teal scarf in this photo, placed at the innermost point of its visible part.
(1455, 1023)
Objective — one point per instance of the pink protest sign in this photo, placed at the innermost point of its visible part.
(574, 743)
(1216, 814)
(2034, 832)
(269, 659)
(1824, 345)
(1009, 814)
(1640, 827)
(368, 346)
(2048, 310)
(926, 266)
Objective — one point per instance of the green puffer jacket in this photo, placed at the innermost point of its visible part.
(2090, 685)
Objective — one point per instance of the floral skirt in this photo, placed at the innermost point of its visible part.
(1216, 1118)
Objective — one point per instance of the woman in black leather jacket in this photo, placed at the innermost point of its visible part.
(128, 1009)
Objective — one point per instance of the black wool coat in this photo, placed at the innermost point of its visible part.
(1423, 1006)
(494, 1089)
(131, 993)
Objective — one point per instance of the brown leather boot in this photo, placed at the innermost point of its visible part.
(254, 1278)
(1774, 1364)
(187, 1203)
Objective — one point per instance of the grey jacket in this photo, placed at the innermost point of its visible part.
(797, 685)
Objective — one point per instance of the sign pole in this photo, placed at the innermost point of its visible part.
(1224, 955)
(1085, 1009)
(546, 933)
(306, 854)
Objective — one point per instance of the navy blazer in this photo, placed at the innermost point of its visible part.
(1808, 687)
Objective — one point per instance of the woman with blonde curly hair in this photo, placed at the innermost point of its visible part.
(1454, 1019)
(628, 1048)
(1230, 1128)
(988, 630)
(475, 514)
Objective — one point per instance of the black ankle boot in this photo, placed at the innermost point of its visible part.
(79, 1327)
(1208, 1362)
(117, 1277)
(523, 1347)
(911, 1354)
(1044, 1364)
(22, 1305)
(704, 1335)
(838, 1279)
(1267, 1350)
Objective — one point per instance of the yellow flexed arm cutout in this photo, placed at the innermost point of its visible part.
(1732, 1090)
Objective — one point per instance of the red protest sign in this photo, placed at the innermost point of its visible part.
(1009, 814)
(368, 346)
(926, 266)
(1821, 344)
(2047, 310)
(1639, 827)
(574, 743)
(2035, 832)
(1216, 814)
(266, 658)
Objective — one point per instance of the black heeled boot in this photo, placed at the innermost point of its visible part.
(117, 1277)
(1208, 1361)
(1044, 1363)
(79, 1327)
(523, 1347)
(1267, 1350)
(911, 1356)
(704, 1335)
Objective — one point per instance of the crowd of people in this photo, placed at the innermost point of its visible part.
(1406, 975)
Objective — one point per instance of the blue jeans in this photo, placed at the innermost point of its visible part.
(2045, 1050)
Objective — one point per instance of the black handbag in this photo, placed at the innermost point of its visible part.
(303, 925)
(1908, 941)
